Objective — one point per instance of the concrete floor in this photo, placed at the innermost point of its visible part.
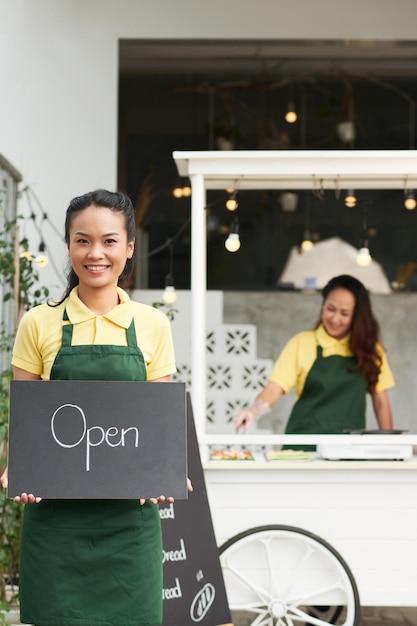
(370, 616)
(389, 616)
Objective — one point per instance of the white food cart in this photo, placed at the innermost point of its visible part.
(303, 541)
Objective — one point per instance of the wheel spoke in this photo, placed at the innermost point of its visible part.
(304, 617)
(296, 573)
(273, 591)
(262, 594)
(314, 592)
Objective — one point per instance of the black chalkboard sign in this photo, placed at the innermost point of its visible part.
(194, 591)
(97, 439)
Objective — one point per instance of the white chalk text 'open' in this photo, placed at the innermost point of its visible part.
(94, 436)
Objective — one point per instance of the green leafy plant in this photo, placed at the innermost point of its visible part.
(19, 287)
(168, 309)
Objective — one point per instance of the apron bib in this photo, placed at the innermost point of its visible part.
(92, 562)
(333, 399)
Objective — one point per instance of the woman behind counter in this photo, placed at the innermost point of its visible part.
(93, 562)
(331, 368)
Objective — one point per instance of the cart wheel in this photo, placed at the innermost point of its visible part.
(286, 576)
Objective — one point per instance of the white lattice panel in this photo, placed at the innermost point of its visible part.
(237, 377)
(232, 340)
(254, 375)
(183, 375)
(218, 420)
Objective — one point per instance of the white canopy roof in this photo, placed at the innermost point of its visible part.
(301, 169)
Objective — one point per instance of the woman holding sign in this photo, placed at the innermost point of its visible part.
(93, 562)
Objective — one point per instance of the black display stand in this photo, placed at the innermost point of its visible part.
(194, 591)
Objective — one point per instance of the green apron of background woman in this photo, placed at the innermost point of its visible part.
(333, 399)
(92, 562)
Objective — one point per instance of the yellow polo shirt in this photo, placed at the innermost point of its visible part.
(296, 360)
(39, 335)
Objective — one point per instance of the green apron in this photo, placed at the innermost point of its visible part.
(333, 399)
(92, 562)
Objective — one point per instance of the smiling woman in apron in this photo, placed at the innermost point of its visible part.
(94, 562)
(331, 368)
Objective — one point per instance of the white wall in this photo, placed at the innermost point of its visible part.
(59, 66)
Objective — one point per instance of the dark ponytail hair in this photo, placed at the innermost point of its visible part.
(365, 332)
(113, 200)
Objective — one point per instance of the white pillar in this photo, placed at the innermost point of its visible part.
(198, 301)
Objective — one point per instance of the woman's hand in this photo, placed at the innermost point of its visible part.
(246, 417)
(27, 498)
(24, 498)
(162, 499)
(4, 478)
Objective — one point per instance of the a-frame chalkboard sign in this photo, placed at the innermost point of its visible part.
(194, 591)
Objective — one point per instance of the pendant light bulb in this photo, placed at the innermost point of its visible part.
(350, 199)
(169, 295)
(291, 115)
(232, 202)
(363, 258)
(410, 202)
(306, 244)
(232, 243)
(177, 192)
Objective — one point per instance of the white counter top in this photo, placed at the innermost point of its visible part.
(314, 465)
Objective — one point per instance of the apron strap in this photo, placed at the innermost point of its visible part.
(66, 331)
(131, 335)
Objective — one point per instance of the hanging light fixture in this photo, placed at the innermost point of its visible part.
(363, 258)
(346, 131)
(350, 198)
(182, 189)
(232, 243)
(42, 259)
(169, 295)
(307, 242)
(410, 201)
(288, 201)
(291, 114)
(232, 202)
(177, 192)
